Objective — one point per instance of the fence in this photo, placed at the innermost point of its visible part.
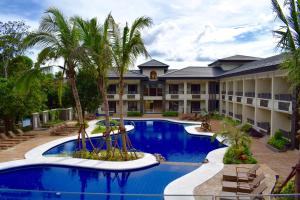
(18, 194)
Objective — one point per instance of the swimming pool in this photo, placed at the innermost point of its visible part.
(60, 179)
(152, 136)
(158, 136)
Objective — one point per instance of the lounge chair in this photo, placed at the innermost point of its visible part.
(243, 186)
(244, 196)
(241, 174)
(21, 133)
(13, 135)
(6, 138)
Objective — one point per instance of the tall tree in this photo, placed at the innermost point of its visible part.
(127, 45)
(96, 40)
(60, 39)
(289, 42)
(12, 34)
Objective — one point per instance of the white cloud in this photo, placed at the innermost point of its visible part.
(187, 32)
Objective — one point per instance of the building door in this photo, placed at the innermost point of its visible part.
(153, 106)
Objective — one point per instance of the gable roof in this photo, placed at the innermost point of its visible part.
(193, 72)
(153, 63)
(130, 74)
(236, 58)
(266, 64)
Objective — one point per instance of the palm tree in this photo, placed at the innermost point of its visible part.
(127, 45)
(96, 40)
(59, 38)
(289, 42)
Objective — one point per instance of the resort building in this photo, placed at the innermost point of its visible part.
(249, 89)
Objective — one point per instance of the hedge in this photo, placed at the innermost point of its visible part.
(170, 114)
(134, 114)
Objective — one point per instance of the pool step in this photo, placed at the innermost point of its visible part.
(181, 163)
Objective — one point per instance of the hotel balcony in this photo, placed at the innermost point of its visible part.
(263, 119)
(250, 121)
(249, 114)
(238, 117)
(128, 97)
(283, 106)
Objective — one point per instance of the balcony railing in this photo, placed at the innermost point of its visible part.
(238, 116)
(230, 92)
(264, 95)
(174, 96)
(264, 125)
(249, 101)
(130, 96)
(196, 96)
(264, 103)
(283, 97)
(239, 93)
(230, 98)
(250, 121)
(250, 94)
(223, 97)
(230, 114)
(223, 111)
(239, 99)
(285, 106)
(110, 96)
(223, 92)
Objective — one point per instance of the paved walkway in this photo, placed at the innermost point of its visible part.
(281, 163)
(17, 152)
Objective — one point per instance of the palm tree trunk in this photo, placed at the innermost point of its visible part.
(122, 127)
(79, 110)
(102, 90)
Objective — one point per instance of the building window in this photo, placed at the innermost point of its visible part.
(173, 106)
(173, 89)
(132, 106)
(112, 89)
(132, 89)
(195, 89)
(153, 75)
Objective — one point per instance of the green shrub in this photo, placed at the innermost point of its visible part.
(289, 188)
(231, 122)
(102, 155)
(53, 122)
(134, 114)
(246, 128)
(241, 155)
(278, 135)
(278, 141)
(216, 116)
(54, 114)
(170, 114)
(102, 129)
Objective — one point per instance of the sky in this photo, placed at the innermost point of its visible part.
(184, 32)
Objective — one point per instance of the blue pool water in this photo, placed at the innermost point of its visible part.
(65, 179)
(158, 136)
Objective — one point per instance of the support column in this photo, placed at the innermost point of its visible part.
(45, 116)
(185, 97)
(35, 121)
(254, 100)
(272, 131)
(70, 114)
(206, 95)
